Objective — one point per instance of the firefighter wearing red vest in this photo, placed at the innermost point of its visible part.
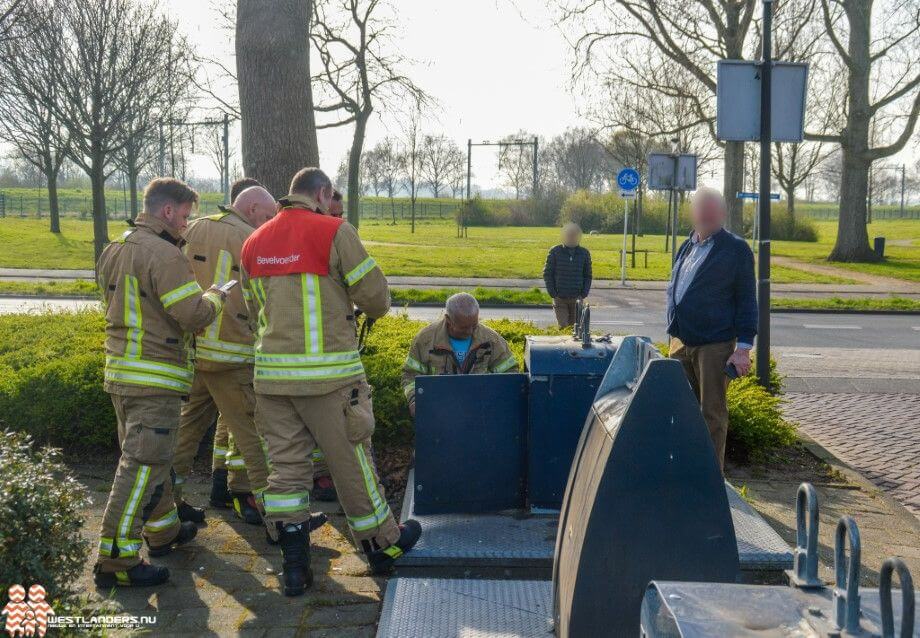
(307, 272)
(154, 306)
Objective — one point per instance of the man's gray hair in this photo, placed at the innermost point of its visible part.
(461, 304)
(708, 193)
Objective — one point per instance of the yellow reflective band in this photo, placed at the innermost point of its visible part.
(381, 509)
(317, 455)
(221, 276)
(178, 294)
(167, 520)
(153, 367)
(133, 318)
(507, 364)
(358, 272)
(223, 351)
(309, 373)
(280, 503)
(147, 380)
(312, 313)
(415, 365)
(309, 360)
(236, 463)
(409, 389)
(134, 498)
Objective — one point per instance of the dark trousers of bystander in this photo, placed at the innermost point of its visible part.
(705, 368)
(565, 311)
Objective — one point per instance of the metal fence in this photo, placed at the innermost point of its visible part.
(15, 205)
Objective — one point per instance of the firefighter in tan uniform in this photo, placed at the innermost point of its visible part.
(154, 306)
(307, 273)
(207, 412)
(224, 358)
(457, 344)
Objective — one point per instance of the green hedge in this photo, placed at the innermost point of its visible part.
(603, 212)
(51, 383)
(51, 376)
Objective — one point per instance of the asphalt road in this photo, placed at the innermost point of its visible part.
(644, 314)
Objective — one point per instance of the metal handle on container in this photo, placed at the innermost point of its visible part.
(907, 597)
(586, 327)
(846, 591)
(804, 572)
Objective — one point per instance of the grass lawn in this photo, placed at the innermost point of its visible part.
(485, 296)
(434, 249)
(901, 261)
(848, 303)
(50, 289)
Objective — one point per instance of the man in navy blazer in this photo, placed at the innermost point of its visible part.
(712, 310)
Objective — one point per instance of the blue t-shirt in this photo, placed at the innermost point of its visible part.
(461, 347)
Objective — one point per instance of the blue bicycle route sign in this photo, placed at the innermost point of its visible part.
(628, 179)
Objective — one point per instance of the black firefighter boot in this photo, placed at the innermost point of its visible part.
(141, 575)
(295, 548)
(220, 495)
(244, 506)
(382, 560)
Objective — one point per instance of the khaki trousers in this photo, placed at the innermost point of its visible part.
(342, 423)
(705, 368)
(565, 311)
(141, 501)
(230, 393)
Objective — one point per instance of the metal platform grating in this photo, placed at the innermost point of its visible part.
(517, 540)
(415, 607)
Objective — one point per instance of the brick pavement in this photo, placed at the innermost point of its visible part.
(225, 582)
(876, 434)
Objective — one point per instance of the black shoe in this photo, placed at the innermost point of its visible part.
(317, 520)
(220, 495)
(295, 548)
(187, 531)
(244, 506)
(190, 512)
(324, 490)
(382, 560)
(141, 575)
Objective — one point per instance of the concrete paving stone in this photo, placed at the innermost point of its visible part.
(365, 631)
(342, 615)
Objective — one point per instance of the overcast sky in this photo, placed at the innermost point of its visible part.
(492, 68)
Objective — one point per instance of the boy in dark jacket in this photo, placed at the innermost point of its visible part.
(567, 274)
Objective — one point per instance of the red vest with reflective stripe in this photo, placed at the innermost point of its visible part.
(296, 241)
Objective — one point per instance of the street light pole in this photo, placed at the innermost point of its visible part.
(763, 202)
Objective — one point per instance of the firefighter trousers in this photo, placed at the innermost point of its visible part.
(141, 501)
(342, 423)
(230, 393)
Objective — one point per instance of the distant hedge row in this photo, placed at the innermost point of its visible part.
(603, 212)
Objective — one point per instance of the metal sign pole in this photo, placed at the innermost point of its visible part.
(625, 235)
(763, 246)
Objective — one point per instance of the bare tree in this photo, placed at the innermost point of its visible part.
(370, 171)
(26, 121)
(106, 57)
(515, 162)
(439, 155)
(276, 95)
(13, 18)
(578, 160)
(360, 68)
(387, 169)
(411, 160)
(883, 86)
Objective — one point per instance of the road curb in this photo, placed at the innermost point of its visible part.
(855, 476)
(25, 295)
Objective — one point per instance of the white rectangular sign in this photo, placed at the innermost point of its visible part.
(661, 172)
(738, 101)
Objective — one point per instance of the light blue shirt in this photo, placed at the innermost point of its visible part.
(690, 264)
(461, 347)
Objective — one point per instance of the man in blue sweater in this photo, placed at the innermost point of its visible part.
(712, 310)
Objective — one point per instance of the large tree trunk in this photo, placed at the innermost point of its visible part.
(276, 99)
(100, 219)
(354, 170)
(852, 236)
(53, 205)
(733, 183)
